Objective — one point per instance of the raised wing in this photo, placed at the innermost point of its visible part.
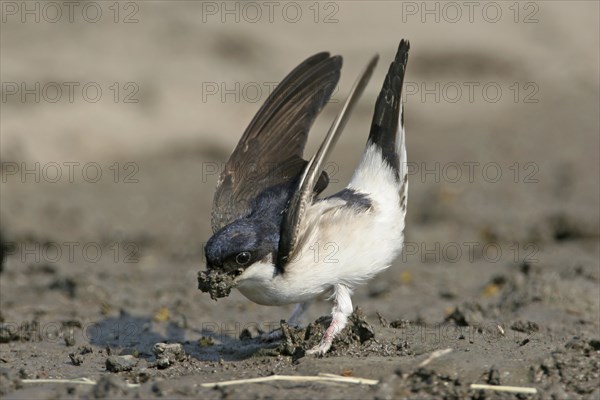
(270, 150)
(387, 128)
(304, 194)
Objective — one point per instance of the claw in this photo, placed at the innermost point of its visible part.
(320, 349)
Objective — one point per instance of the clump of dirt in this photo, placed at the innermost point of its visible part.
(296, 341)
(77, 357)
(168, 354)
(468, 314)
(525, 326)
(215, 283)
(120, 363)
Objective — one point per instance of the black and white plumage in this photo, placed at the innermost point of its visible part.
(273, 236)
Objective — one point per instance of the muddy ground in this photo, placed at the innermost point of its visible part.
(501, 263)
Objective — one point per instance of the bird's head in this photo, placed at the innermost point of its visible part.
(233, 249)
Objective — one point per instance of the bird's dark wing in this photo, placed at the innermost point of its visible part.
(304, 194)
(270, 150)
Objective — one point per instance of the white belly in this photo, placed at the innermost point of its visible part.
(344, 248)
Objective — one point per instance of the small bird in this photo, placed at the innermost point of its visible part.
(274, 238)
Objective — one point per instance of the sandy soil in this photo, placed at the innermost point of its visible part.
(502, 257)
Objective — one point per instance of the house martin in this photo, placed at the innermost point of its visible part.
(274, 238)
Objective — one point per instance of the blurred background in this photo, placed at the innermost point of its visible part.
(117, 116)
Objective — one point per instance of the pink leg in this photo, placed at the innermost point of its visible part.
(342, 309)
(296, 316)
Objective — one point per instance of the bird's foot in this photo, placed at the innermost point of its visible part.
(319, 349)
(293, 322)
(273, 336)
(334, 328)
(341, 310)
(277, 334)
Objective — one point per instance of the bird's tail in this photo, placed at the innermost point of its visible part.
(385, 153)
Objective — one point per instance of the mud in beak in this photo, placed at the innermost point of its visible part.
(217, 283)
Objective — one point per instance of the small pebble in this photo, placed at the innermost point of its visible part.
(120, 363)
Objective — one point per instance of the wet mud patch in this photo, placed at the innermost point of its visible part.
(295, 342)
(358, 339)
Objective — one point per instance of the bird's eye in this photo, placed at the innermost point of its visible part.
(243, 258)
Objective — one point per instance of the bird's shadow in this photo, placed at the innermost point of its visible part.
(128, 334)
